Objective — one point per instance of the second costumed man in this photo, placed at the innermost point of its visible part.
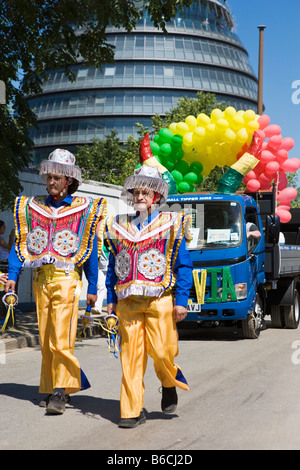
(148, 258)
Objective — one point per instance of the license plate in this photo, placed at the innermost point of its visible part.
(194, 308)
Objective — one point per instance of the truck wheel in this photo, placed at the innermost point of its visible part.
(291, 313)
(276, 316)
(251, 326)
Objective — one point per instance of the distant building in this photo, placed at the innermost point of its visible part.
(151, 71)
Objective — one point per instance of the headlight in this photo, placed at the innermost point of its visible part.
(241, 290)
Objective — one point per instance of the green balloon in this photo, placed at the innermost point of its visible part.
(176, 141)
(184, 187)
(178, 177)
(165, 150)
(179, 155)
(165, 135)
(154, 148)
(197, 167)
(170, 165)
(182, 166)
(199, 179)
(190, 177)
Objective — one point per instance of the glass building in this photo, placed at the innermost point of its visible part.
(151, 71)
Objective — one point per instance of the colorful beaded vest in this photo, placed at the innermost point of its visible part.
(145, 259)
(60, 236)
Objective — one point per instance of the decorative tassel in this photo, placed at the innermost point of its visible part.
(10, 300)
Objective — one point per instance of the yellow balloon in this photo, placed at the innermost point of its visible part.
(188, 139)
(229, 112)
(191, 121)
(222, 124)
(182, 128)
(252, 126)
(199, 133)
(173, 127)
(202, 120)
(210, 129)
(237, 122)
(242, 135)
(229, 136)
(249, 115)
(216, 114)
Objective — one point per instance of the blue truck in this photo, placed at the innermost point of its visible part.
(236, 279)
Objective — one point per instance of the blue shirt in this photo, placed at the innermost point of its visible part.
(90, 267)
(183, 269)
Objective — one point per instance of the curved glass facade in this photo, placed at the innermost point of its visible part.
(151, 72)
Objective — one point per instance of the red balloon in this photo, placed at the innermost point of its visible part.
(251, 175)
(263, 121)
(264, 179)
(284, 207)
(253, 185)
(284, 216)
(291, 164)
(281, 155)
(274, 129)
(275, 141)
(287, 194)
(259, 168)
(271, 168)
(287, 143)
(267, 156)
(282, 180)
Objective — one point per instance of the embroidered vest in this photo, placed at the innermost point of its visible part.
(60, 236)
(145, 259)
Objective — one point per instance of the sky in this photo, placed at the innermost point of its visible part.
(281, 65)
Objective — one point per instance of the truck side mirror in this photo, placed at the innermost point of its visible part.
(272, 228)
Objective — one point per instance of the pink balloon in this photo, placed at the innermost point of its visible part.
(267, 156)
(281, 155)
(275, 141)
(274, 129)
(287, 194)
(284, 216)
(263, 121)
(264, 145)
(253, 185)
(260, 133)
(251, 175)
(291, 164)
(264, 179)
(284, 207)
(282, 180)
(287, 143)
(272, 168)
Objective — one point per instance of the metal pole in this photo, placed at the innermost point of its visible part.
(260, 71)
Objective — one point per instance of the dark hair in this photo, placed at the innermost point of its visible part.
(72, 188)
(1, 223)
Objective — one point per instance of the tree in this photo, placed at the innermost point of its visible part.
(37, 35)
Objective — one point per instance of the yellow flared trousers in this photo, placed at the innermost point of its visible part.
(57, 300)
(146, 326)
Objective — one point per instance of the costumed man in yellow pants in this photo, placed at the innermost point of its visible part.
(148, 258)
(55, 235)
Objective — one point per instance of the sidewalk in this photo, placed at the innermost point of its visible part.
(25, 332)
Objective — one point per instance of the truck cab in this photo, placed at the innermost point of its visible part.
(229, 265)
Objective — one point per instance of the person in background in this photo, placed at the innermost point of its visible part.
(4, 246)
(55, 235)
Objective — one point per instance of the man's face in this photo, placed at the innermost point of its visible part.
(142, 199)
(56, 184)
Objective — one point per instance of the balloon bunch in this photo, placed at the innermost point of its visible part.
(189, 150)
(273, 166)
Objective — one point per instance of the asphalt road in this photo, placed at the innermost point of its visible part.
(244, 394)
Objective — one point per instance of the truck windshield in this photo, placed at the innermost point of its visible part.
(214, 224)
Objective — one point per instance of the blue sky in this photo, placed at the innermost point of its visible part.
(281, 57)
